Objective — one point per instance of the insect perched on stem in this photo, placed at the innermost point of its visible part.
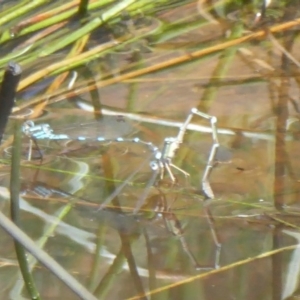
(161, 162)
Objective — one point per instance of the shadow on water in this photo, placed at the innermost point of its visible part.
(119, 226)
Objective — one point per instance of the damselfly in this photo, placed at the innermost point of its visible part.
(162, 158)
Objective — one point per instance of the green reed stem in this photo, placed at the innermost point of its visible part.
(112, 12)
(21, 11)
(139, 6)
(65, 15)
(45, 259)
(13, 8)
(15, 211)
(83, 8)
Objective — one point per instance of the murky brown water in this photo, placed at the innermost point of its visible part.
(178, 246)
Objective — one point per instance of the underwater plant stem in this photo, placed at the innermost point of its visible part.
(97, 258)
(126, 240)
(103, 287)
(44, 258)
(41, 242)
(220, 71)
(15, 211)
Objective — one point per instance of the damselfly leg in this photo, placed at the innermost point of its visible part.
(172, 144)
